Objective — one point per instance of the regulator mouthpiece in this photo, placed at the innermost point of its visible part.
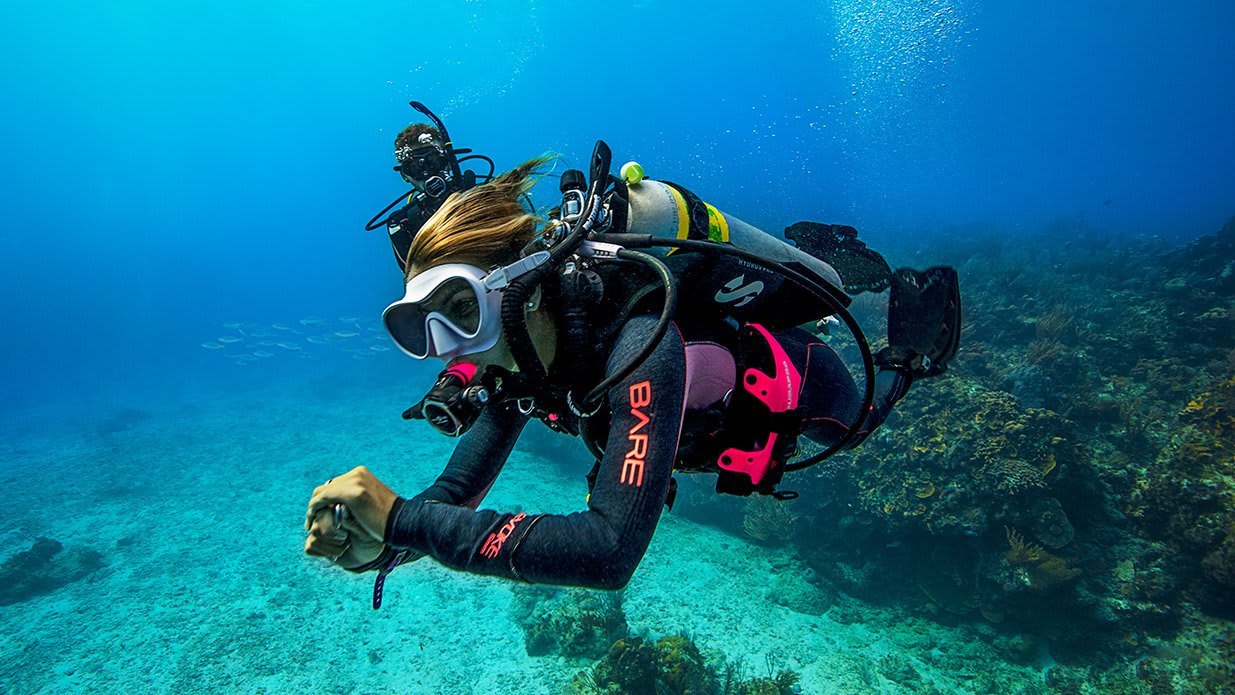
(454, 403)
(435, 186)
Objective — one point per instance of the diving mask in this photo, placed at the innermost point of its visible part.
(423, 163)
(447, 312)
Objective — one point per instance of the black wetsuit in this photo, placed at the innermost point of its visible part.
(601, 547)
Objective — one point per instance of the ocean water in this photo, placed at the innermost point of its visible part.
(193, 342)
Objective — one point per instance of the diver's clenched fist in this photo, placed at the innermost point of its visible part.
(368, 502)
(330, 538)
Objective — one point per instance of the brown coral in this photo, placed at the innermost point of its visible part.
(1056, 324)
(1044, 570)
(768, 520)
(1019, 552)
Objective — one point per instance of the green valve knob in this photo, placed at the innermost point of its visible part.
(632, 172)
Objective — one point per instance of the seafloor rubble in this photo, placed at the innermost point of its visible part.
(1070, 483)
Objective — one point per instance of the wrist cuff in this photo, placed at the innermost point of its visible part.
(400, 502)
(379, 561)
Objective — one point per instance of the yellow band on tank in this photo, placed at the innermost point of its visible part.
(683, 213)
(718, 226)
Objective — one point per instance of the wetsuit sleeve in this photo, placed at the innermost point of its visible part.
(477, 459)
(599, 547)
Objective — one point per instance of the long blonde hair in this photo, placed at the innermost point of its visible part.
(484, 225)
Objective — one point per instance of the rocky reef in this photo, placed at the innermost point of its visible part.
(569, 622)
(673, 665)
(583, 625)
(1068, 487)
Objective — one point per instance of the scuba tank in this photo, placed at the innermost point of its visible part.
(737, 288)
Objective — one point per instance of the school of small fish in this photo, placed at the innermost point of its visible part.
(248, 343)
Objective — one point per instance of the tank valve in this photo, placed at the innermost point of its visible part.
(632, 173)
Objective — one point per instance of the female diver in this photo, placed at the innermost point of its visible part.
(690, 361)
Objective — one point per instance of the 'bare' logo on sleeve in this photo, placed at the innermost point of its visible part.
(632, 467)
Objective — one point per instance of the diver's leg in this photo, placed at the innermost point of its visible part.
(830, 397)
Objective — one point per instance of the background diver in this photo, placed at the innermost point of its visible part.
(428, 160)
(690, 360)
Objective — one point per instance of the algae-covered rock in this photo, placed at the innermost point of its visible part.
(45, 567)
(673, 665)
(629, 667)
(794, 592)
(1050, 524)
(681, 668)
(570, 623)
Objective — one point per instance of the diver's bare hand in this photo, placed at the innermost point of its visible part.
(329, 540)
(367, 499)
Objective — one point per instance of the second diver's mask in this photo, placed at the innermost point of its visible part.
(447, 312)
(425, 165)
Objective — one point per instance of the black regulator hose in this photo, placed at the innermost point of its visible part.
(514, 323)
(374, 224)
(594, 396)
(834, 297)
(441, 128)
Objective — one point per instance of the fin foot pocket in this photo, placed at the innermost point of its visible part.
(924, 321)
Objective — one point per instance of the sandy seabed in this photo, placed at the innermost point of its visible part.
(197, 509)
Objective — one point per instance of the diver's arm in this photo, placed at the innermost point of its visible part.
(471, 471)
(599, 547)
(478, 458)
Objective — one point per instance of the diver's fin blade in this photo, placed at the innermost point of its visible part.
(860, 268)
(924, 320)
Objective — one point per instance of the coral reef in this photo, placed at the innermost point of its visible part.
(569, 622)
(1186, 497)
(966, 467)
(1072, 479)
(1035, 568)
(673, 666)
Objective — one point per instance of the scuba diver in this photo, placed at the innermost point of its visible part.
(663, 332)
(427, 159)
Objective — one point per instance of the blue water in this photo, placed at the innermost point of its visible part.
(171, 168)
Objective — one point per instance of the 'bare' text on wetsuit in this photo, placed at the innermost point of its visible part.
(632, 468)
